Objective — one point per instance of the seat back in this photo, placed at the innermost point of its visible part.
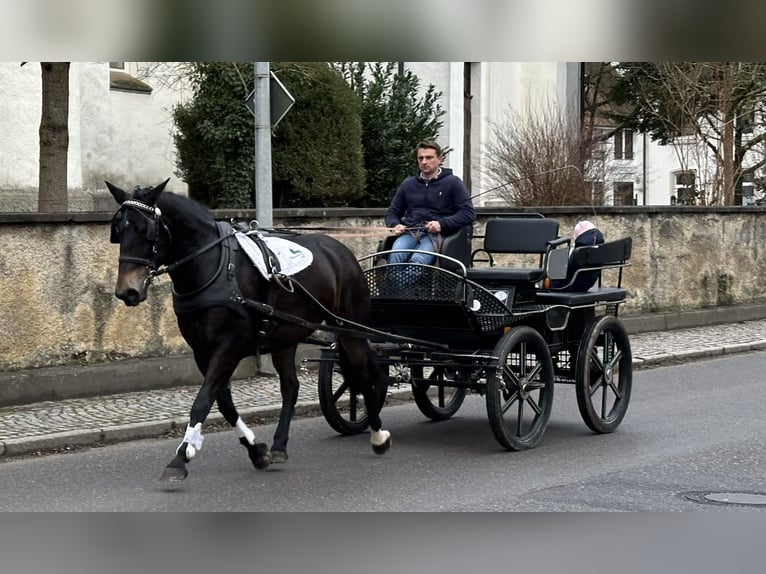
(519, 234)
(457, 246)
(609, 254)
(585, 263)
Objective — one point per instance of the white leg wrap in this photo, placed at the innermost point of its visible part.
(241, 430)
(193, 439)
(379, 437)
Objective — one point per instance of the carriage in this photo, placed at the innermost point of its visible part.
(469, 323)
(487, 321)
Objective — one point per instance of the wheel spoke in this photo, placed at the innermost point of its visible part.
(340, 392)
(440, 395)
(535, 407)
(595, 386)
(615, 361)
(510, 376)
(512, 399)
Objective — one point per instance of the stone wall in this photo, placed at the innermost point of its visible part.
(58, 272)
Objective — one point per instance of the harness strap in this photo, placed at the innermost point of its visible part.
(208, 247)
(363, 332)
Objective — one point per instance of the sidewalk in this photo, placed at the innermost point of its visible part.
(65, 424)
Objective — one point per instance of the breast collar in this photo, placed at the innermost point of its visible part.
(222, 289)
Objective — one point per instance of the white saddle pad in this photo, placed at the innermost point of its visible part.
(291, 256)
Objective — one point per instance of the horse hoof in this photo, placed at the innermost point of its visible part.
(174, 474)
(260, 455)
(278, 456)
(383, 447)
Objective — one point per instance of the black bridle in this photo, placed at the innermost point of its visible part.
(154, 227)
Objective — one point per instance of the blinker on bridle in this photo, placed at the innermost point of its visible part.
(152, 230)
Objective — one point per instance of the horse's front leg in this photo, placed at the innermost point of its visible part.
(284, 363)
(257, 451)
(217, 376)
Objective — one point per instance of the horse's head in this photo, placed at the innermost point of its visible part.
(143, 237)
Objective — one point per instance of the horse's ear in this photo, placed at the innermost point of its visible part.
(119, 195)
(153, 194)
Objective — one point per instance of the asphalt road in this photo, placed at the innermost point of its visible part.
(691, 428)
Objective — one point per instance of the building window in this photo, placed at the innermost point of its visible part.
(623, 193)
(684, 188)
(623, 144)
(117, 65)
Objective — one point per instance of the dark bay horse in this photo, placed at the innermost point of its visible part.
(213, 280)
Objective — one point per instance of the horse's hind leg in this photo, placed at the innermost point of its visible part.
(361, 371)
(284, 363)
(257, 451)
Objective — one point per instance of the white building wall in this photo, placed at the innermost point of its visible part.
(127, 136)
(496, 87)
(19, 125)
(122, 136)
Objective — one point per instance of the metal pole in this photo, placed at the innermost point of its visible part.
(263, 199)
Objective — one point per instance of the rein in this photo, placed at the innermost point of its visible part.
(173, 266)
(349, 231)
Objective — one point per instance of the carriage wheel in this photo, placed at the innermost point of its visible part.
(342, 409)
(520, 390)
(604, 374)
(437, 402)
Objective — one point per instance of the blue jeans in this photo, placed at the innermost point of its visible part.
(408, 241)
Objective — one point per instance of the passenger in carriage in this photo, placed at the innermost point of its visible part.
(585, 233)
(428, 207)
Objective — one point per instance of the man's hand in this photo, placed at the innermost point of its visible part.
(398, 229)
(433, 227)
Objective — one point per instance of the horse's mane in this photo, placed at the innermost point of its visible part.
(184, 210)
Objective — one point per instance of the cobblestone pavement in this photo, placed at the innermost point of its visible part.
(55, 425)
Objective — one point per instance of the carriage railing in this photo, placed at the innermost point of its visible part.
(379, 258)
(422, 286)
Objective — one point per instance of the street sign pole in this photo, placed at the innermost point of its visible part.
(263, 197)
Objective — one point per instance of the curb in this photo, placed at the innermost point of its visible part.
(71, 440)
(33, 385)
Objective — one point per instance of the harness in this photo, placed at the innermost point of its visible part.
(222, 288)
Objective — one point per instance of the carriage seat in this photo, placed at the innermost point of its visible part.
(610, 255)
(576, 298)
(513, 235)
(457, 246)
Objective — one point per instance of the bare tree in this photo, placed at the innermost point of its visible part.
(710, 112)
(544, 158)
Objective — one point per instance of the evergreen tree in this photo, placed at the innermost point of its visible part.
(316, 149)
(394, 119)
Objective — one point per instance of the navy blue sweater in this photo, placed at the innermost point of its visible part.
(444, 199)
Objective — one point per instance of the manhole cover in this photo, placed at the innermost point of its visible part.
(726, 497)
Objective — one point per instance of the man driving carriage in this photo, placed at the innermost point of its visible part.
(428, 207)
